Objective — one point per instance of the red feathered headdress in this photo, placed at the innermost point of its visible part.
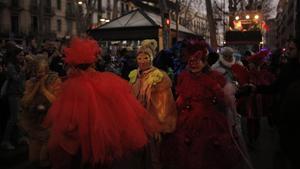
(196, 47)
(81, 51)
(258, 57)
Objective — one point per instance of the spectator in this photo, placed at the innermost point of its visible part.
(14, 92)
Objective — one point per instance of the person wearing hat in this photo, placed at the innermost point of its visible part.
(226, 60)
(95, 120)
(152, 87)
(203, 138)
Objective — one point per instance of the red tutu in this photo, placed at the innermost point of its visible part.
(97, 115)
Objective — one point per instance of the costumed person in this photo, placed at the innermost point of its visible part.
(254, 105)
(202, 139)
(40, 91)
(95, 120)
(224, 66)
(15, 82)
(152, 87)
(227, 65)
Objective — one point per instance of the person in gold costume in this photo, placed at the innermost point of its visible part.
(40, 91)
(152, 87)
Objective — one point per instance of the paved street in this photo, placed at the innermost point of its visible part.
(265, 154)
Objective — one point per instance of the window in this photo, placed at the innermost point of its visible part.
(48, 3)
(69, 6)
(34, 3)
(34, 23)
(58, 4)
(69, 26)
(15, 24)
(127, 7)
(15, 3)
(47, 25)
(47, 6)
(122, 8)
(108, 5)
(58, 25)
(99, 5)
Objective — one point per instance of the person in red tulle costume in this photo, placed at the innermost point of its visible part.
(202, 139)
(95, 119)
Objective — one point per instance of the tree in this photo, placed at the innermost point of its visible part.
(188, 10)
(241, 5)
(212, 24)
(84, 13)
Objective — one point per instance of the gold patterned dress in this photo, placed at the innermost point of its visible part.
(153, 90)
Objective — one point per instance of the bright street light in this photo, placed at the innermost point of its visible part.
(107, 20)
(80, 2)
(102, 20)
(256, 16)
(247, 17)
(237, 18)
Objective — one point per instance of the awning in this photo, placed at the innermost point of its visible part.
(137, 24)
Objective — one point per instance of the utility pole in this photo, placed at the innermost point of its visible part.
(164, 12)
(212, 24)
(41, 21)
(177, 19)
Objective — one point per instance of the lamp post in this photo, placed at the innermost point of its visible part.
(177, 19)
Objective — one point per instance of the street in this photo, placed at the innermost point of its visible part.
(265, 154)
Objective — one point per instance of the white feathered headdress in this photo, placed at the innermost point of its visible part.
(148, 47)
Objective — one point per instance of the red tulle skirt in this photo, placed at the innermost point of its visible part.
(97, 115)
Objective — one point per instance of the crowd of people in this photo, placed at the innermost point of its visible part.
(185, 107)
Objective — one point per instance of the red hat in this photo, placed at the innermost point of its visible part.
(240, 73)
(81, 51)
(196, 47)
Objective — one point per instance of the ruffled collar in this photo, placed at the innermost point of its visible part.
(226, 63)
(145, 72)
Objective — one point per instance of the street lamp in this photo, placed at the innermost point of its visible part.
(80, 2)
(107, 20)
(256, 16)
(237, 18)
(102, 20)
(247, 17)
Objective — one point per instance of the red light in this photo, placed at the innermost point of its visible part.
(168, 21)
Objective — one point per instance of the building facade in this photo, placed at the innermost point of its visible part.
(287, 21)
(45, 19)
(54, 19)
